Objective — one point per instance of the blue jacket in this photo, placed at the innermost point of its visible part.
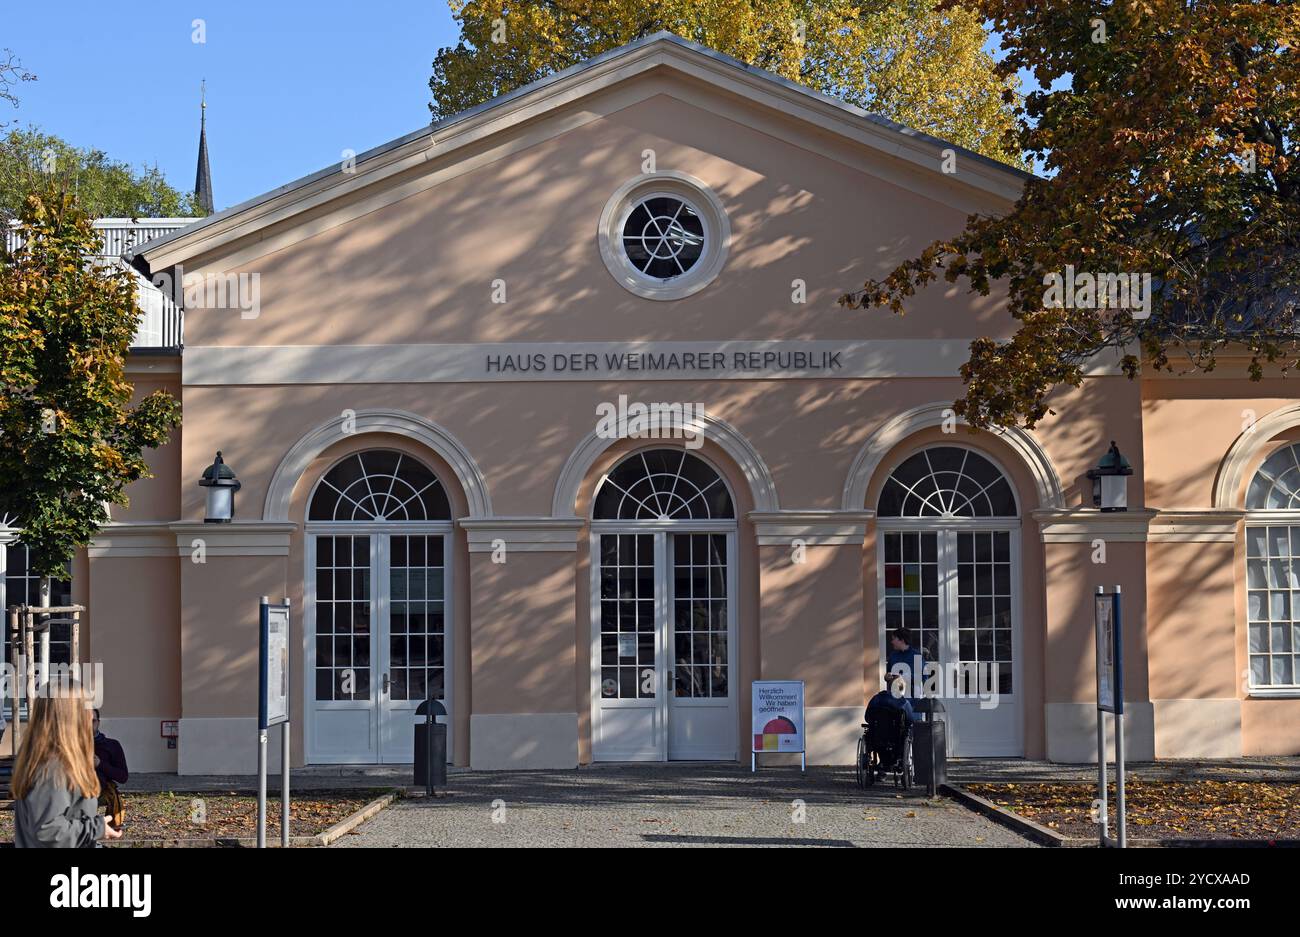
(913, 660)
(887, 699)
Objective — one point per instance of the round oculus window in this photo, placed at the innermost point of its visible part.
(664, 235)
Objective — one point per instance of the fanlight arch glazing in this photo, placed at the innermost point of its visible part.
(379, 485)
(1276, 485)
(947, 481)
(663, 484)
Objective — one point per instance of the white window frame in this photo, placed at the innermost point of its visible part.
(379, 601)
(672, 184)
(1257, 518)
(379, 611)
(947, 527)
(662, 530)
(12, 536)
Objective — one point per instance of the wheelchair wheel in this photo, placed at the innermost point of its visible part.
(864, 757)
(907, 773)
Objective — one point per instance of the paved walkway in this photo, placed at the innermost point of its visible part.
(683, 805)
(698, 805)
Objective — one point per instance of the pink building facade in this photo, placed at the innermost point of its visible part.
(421, 390)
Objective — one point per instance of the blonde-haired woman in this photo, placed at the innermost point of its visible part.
(55, 789)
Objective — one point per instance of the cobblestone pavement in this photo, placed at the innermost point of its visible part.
(698, 805)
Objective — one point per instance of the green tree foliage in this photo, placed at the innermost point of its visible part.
(1169, 131)
(104, 187)
(907, 60)
(70, 440)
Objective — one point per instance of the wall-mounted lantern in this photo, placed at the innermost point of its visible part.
(1110, 481)
(222, 484)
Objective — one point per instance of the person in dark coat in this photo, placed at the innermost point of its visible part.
(110, 760)
(110, 768)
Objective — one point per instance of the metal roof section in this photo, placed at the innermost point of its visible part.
(658, 49)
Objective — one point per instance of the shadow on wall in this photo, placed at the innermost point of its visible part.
(523, 647)
(531, 221)
(821, 640)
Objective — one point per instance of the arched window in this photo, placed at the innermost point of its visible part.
(1273, 572)
(663, 677)
(946, 481)
(1276, 486)
(947, 529)
(379, 485)
(378, 602)
(663, 484)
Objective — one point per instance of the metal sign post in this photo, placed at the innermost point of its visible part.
(1110, 699)
(273, 708)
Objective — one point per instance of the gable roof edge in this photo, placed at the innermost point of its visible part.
(553, 91)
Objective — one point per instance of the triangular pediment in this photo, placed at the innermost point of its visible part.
(562, 101)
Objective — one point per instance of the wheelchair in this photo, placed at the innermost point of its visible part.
(885, 749)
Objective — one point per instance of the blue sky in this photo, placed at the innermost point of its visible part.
(290, 85)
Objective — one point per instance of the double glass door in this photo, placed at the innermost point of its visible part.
(378, 640)
(954, 591)
(663, 639)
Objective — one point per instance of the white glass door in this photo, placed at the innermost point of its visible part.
(663, 630)
(701, 718)
(982, 644)
(378, 636)
(629, 718)
(954, 591)
(413, 644)
(340, 649)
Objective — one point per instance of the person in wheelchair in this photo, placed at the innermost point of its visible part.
(885, 746)
(893, 696)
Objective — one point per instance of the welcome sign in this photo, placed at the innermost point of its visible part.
(777, 713)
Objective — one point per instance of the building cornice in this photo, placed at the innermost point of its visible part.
(239, 538)
(1209, 525)
(127, 539)
(522, 534)
(1173, 525)
(139, 364)
(815, 528)
(1083, 525)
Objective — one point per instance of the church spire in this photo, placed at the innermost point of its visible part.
(203, 178)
